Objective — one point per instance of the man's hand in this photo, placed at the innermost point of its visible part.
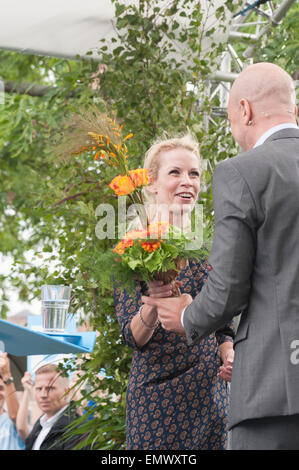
(170, 310)
(27, 381)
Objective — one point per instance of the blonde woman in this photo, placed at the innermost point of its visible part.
(177, 395)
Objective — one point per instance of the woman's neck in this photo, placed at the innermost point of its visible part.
(178, 219)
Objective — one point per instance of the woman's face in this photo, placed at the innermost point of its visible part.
(178, 181)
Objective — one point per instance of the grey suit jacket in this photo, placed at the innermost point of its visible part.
(255, 261)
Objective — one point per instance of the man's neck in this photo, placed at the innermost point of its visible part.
(263, 128)
(49, 416)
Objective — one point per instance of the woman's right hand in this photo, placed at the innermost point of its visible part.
(158, 289)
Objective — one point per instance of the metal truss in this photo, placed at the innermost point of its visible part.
(256, 19)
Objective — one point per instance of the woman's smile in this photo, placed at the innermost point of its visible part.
(185, 196)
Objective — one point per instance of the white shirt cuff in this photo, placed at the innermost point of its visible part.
(182, 317)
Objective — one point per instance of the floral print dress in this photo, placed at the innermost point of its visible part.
(174, 399)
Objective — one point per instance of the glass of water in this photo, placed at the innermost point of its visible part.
(55, 306)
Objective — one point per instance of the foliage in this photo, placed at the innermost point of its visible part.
(282, 45)
(48, 206)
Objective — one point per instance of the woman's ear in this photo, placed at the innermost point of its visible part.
(152, 188)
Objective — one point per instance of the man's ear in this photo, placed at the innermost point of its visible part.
(296, 115)
(246, 111)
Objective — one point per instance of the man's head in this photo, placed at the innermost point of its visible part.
(261, 97)
(50, 390)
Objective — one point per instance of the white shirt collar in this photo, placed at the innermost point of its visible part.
(274, 129)
(48, 422)
(46, 425)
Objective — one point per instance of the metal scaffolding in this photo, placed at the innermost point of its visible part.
(259, 16)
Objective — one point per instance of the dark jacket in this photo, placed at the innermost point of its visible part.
(56, 439)
(255, 264)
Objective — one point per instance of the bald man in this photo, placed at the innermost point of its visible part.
(255, 262)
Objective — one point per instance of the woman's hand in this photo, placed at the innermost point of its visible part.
(227, 356)
(158, 289)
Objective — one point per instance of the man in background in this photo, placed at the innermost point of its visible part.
(50, 431)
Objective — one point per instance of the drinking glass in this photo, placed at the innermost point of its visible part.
(55, 306)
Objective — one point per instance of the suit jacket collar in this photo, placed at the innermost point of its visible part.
(64, 420)
(287, 133)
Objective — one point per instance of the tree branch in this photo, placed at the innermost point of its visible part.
(32, 89)
(70, 197)
(27, 88)
(94, 296)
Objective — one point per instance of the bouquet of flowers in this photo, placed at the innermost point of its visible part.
(157, 251)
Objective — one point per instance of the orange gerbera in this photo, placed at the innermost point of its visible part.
(150, 246)
(122, 185)
(157, 229)
(136, 234)
(121, 247)
(139, 176)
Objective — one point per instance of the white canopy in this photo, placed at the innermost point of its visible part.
(67, 28)
(55, 28)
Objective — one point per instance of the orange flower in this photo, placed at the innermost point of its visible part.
(122, 185)
(139, 176)
(121, 247)
(136, 234)
(157, 229)
(150, 246)
(100, 153)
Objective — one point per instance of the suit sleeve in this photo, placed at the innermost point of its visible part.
(227, 289)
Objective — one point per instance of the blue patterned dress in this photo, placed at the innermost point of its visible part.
(174, 399)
